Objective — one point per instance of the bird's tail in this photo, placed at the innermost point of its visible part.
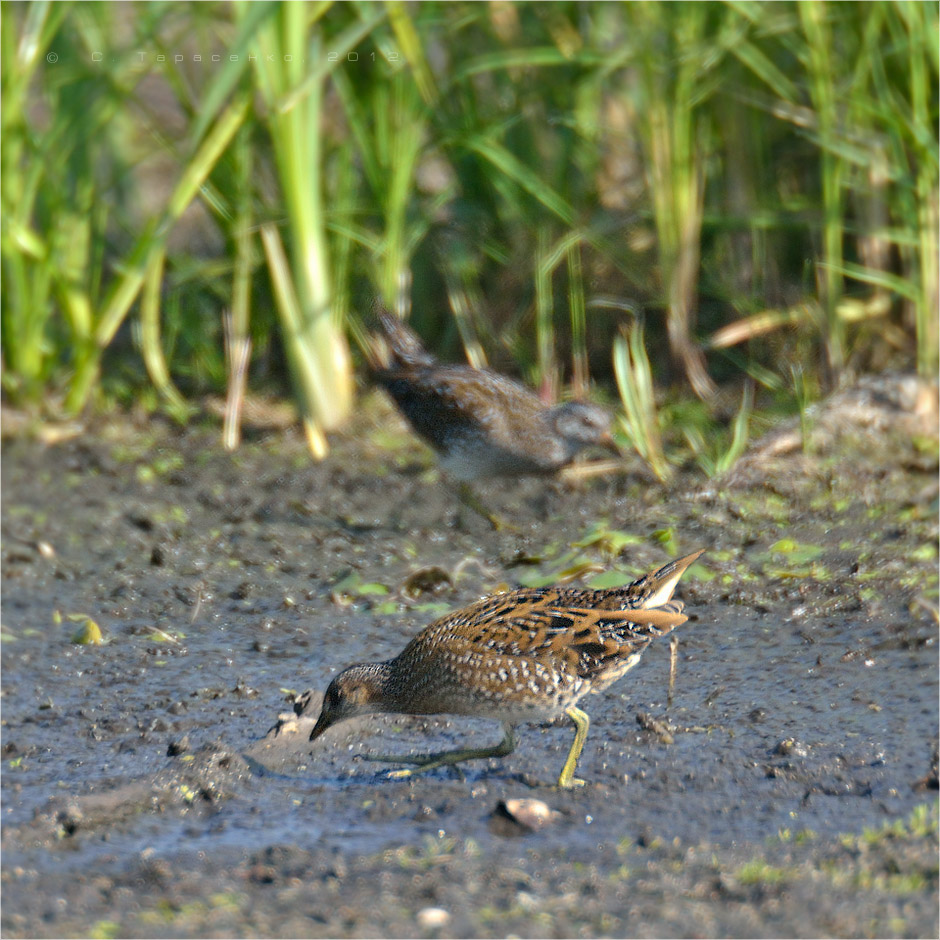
(656, 588)
(651, 592)
(399, 346)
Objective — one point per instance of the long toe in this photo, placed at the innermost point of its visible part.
(406, 772)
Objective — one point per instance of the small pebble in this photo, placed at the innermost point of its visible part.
(532, 814)
(430, 917)
(789, 747)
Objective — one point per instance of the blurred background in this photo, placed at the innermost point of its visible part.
(706, 214)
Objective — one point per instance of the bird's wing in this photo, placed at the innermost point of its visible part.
(542, 625)
(475, 397)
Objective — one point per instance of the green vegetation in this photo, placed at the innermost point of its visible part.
(105, 930)
(89, 634)
(921, 823)
(433, 851)
(858, 866)
(760, 872)
(739, 189)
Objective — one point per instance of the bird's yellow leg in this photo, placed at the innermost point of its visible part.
(427, 762)
(472, 501)
(581, 722)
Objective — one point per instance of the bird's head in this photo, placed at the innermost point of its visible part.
(355, 691)
(583, 424)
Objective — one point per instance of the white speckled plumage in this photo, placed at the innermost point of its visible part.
(526, 655)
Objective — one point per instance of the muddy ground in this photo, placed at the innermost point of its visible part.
(161, 784)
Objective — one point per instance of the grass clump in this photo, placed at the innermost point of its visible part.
(755, 183)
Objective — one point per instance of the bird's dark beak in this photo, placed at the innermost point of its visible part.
(322, 724)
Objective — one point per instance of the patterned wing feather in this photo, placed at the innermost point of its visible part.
(458, 399)
(554, 627)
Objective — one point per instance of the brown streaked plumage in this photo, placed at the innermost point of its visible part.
(481, 423)
(527, 655)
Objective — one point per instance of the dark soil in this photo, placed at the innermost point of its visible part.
(161, 784)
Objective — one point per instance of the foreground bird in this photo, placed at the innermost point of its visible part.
(481, 423)
(528, 655)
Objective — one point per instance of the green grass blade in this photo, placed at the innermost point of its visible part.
(635, 382)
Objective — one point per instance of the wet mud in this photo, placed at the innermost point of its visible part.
(162, 783)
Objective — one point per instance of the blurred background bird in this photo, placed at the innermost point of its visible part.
(482, 424)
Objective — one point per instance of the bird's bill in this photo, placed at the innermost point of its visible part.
(322, 724)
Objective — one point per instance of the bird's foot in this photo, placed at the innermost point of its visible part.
(426, 762)
(472, 501)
